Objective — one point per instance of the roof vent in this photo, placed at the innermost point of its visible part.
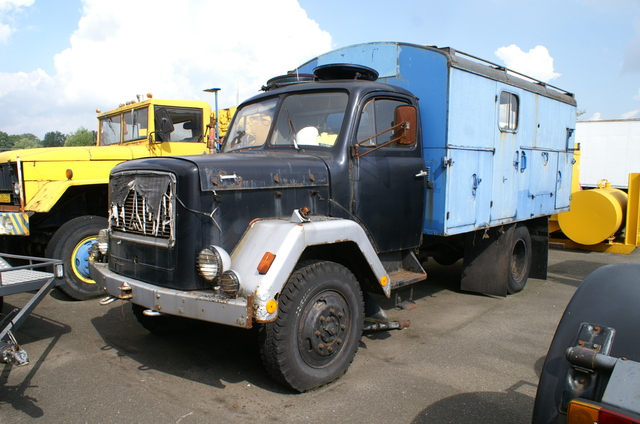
(346, 71)
(284, 80)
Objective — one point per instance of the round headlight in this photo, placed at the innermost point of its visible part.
(229, 283)
(212, 261)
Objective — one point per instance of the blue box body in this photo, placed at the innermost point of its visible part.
(482, 176)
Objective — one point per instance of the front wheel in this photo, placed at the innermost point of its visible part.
(520, 261)
(72, 244)
(316, 335)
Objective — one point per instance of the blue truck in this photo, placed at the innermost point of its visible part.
(340, 180)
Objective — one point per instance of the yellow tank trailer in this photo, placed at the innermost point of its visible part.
(603, 219)
(595, 215)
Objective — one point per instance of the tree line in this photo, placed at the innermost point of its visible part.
(81, 137)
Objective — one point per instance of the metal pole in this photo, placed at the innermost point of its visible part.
(217, 117)
(215, 92)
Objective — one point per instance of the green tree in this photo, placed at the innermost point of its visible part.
(25, 141)
(82, 137)
(5, 141)
(53, 139)
(18, 141)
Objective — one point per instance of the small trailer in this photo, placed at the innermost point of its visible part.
(20, 279)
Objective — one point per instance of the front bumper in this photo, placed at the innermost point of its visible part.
(204, 305)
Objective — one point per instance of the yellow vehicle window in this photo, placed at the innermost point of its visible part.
(110, 130)
(135, 124)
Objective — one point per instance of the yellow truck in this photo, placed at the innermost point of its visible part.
(53, 200)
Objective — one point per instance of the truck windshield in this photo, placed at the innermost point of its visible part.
(307, 119)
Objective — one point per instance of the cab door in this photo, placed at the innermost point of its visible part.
(387, 183)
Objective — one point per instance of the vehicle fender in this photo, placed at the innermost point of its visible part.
(49, 194)
(608, 297)
(287, 241)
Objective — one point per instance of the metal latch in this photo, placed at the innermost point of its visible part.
(588, 358)
(426, 174)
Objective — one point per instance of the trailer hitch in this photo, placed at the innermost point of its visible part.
(10, 350)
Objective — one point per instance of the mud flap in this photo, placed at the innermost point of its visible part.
(539, 230)
(485, 268)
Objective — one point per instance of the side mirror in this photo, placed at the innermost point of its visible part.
(164, 124)
(405, 135)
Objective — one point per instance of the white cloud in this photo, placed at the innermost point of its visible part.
(631, 115)
(5, 32)
(536, 63)
(7, 9)
(22, 82)
(14, 4)
(596, 117)
(171, 49)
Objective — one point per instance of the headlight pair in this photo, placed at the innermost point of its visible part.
(213, 265)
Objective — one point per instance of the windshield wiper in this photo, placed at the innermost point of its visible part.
(293, 132)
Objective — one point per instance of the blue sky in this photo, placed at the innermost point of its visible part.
(61, 60)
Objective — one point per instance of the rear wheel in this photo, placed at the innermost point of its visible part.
(520, 262)
(316, 335)
(72, 244)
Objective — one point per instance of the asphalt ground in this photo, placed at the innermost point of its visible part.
(466, 358)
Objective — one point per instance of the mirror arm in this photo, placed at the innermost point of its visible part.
(357, 155)
(151, 141)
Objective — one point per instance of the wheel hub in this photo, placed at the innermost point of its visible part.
(80, 257)
(518, 259)
(325, 327)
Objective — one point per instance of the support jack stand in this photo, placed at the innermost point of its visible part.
(408, 304)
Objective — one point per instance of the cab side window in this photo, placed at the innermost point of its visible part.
(110, 130)
(135, 127)
(378, 116)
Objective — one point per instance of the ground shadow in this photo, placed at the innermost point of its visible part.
(480, 408)
(199, 351)
(35, 328)
(572, 272)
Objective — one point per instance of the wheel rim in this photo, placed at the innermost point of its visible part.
(80, 259)
(519, 260)
(325, 327)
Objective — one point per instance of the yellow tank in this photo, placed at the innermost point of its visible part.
(594, 215)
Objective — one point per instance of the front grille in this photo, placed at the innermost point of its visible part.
(143, 204)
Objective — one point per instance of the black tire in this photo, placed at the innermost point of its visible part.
(316, 335)
(520, 261)
(71, 244)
